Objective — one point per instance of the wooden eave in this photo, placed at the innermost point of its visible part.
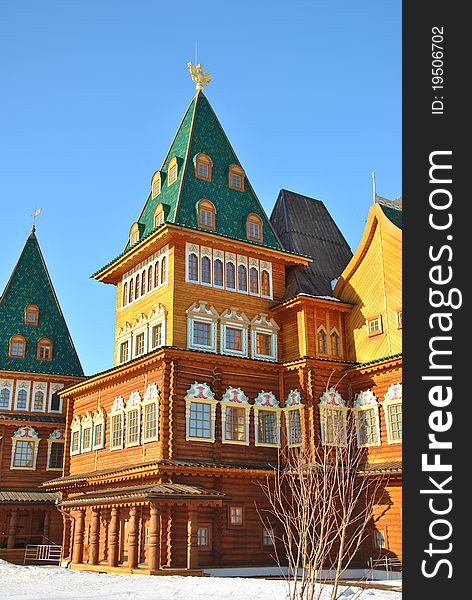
(386, 363)
(375, 218)
(4, 374)
(302, 299)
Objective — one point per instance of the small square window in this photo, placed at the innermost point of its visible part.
(203, 170)
(236, 515)
(234, 339)
(203, 537)
(374, 326)
(267, 537)
(379, 539)
(201, 333)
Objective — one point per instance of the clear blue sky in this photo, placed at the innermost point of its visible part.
(92, 92)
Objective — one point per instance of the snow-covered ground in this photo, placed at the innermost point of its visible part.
(37, 583)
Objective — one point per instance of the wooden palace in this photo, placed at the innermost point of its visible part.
(37, 360)
(229, 326)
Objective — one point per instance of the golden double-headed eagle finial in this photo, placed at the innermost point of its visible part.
(201, 79)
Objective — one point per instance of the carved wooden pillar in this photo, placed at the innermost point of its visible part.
(94, 537)
(46, 526)
(105, 523)
(12, 528)
(113, 537)
(192, 539)
(153, 558)
(133, 538)
(78, 551)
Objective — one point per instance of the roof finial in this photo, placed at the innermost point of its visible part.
(201, 79)
(374, 190)
(35, 214)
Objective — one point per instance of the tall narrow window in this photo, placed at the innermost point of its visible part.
(150, 278)
(131, 291)
(143, 283)
(5, 396)
(206, 270)
(163, 270)
(133, 419)
(236, 178)
(172, 171)
(156, 274)
(366, 413)
(17, 346)
(55, 456)
(333, 418)
(235, 417)
(150, 413)
(267, 419)
(22, 400)
(44, 350)
(116, 423)
(156, 184)
(124, 352)
(322, 340)
(125, 294)
(242, 278)
(254, 227)
(253, 280)
(230, 276)
(140, 344)
(38, 401)
(218, 273)
(392, 406)
(206, 214)
(134, 234)
(192, 267)
(335, 343)
(137, 287)
(265, 283)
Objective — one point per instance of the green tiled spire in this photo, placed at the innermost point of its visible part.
(30, 283)
(200, 131)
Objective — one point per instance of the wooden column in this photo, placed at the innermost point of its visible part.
(12, 528)
(153, 549)
(133, 538)
(46, 526)
(105, 523)
(94, 537)
(78, 551)
(192, 539)
(113, 537)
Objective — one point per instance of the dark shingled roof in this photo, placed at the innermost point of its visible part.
(8, 496)
(305, 226)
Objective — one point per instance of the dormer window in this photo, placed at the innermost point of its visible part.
(134, 235)
(206, 214)
(236, 178)
(158, 216)
(203, 166)
(172, 171)
(254, 228)
(31, 315)
(17, 346)
(156, 184)
(44, 350)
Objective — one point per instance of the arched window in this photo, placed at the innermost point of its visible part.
(172, 171)
(44, 349)
(5, 395)
(150, 278)
(236, 178)
(163, 270)
(158, 215)
(203, 166)
(265, 283)
(31, 314)
(192, 267)
(206, 270)
(38, 401)
(143, 283)
(218, 273)
(134, 235)
(230, 276)
(253, 280)
(242, 278)
(131, 291)
(21, 400)
(137, 286)
(322, 340)
(125, 293)
(156, 273)
(206, 214)
(17, 346)
(156, 184)
(335, 343)
(254, 227)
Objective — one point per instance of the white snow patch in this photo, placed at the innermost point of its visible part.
(55, 583)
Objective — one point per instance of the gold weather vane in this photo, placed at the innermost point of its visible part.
(201, 79)
(34, 215)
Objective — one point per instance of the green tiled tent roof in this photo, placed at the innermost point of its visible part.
(30, 283)
(394, 215)
(200, 131)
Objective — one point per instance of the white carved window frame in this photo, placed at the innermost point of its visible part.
(133, 406)
(20, 436)
(151, 397)
(267, 402)
(7, 384)
(192, 249)
(86, 425)
(99, 418)
(56, 437)
(199, 313)
(140, 326)
(124, 335)
(200, 393)
(219, 255)
(157, 316)
(234, 319)
(266, 266)
(206, 252)
(39, 386)
(228, 401)
(365, 402)
(293, 405)
(75, 434)
(26, 386)
(117, 410)
(332, 405)
(53, 388)
(261, 324)
(393, 397)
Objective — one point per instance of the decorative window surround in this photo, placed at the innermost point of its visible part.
(54, 388)
(199, 313)
(75, 436)
(219, 269)
(24, 450)
(266, 405)
(267, 268)
(56, 437)
(6, 394)
(38, 403)
(150, 409)
(99, 425)
(206, 267)
(322, 340)
(200, 413)
(203, 166)
(236, 177)
(254, 227)
(134, 234)
(17, 347)
(117, 415)
(124, 337)
(335, 342)
(133, 420)
(158, 260)
(293, 419)
(233, 401)
(392, 406)
(172, 171)
(234, 319)
(31, 315)
(230, 272)
(261, 324)
(333, 417)
(156, 184)
(243, 285)
(366, 410)
(140, 328)
(206, 214)
(22, 395)
(87, 432)
(156, 317)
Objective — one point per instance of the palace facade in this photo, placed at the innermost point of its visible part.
(231, 346)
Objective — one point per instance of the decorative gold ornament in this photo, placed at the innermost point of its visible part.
(197, 74)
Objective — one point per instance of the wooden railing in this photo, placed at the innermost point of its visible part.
(42, 553)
